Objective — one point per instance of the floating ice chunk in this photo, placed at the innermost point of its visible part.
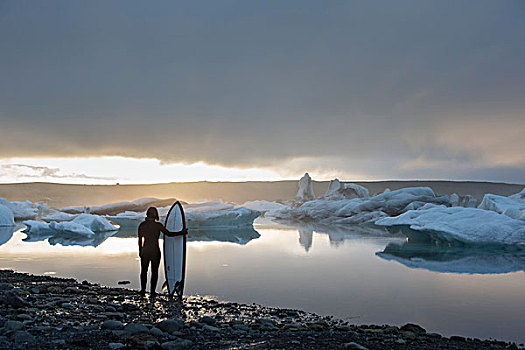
(83, 224)
(94, 222)
(306, 189)
(520, 197)
(207, 207)
(138, 205)
(338, 190)
(59, 216)
(267, 209)
(70, 228)
(225, 218)
(6, 217)
(466, 201)
(503, 205)
(25, 210)
(457, 224)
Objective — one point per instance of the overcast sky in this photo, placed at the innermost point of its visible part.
(365, 89)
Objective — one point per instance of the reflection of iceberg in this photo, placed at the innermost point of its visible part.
(240, 235)
(434, 256)
(457, 224)
(306, 236)
(6, 232)
(93, 241)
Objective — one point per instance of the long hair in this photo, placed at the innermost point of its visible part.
(152, 213)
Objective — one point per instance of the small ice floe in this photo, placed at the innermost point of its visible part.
(26, 210)
(203, 207)
(457, 224)
(520, 197)
(83, 225)
(59, 216)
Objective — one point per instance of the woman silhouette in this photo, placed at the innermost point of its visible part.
(149, 250)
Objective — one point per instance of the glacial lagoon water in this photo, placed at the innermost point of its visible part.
(353, 273)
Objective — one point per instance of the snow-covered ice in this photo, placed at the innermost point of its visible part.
(457, 224)
(306, 189)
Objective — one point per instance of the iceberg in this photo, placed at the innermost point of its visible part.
(138, 205)
(338, 190)
(206, 207)
(520, 197)
(458, 224)
(6, 217)
(266, 208)
(58, 217)
(25, 210)
(361, 210)
(237, 217)
(466, 201)
(503, 205)
(6, 232)
(237, 235)
(453, 259)
(306, 189)
(83, 225)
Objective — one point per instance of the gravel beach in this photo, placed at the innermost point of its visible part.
(44, 312)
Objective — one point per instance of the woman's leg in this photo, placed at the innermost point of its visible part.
(155, 263)
(144, 264)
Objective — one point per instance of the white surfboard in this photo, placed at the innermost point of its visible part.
(175, 251)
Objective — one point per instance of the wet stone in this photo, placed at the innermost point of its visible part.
(135, 328)
(14, 325)
(353, 345)
(170, 326)
(112, 325)
(177, 344)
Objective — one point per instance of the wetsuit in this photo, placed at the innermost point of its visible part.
(149, 251)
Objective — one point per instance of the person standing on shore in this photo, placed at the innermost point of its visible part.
(149, 251)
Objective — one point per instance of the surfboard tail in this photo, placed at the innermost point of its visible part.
(165, 286)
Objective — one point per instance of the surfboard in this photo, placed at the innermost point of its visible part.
(175, 251)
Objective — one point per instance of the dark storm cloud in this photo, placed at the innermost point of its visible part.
(254, 83)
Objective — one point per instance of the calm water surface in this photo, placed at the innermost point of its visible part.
(352, 274)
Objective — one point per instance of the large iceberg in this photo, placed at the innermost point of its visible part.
(457, 224)
(204, 207)
(362, 210)
(504, 205)
(138, 205)
(520, 197)
(306, 189)
(25, 210)
(266, 208)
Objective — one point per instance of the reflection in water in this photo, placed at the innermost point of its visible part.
(239, 235)
(68, 240)
(6, 232)
(440, 257)
(336, 234)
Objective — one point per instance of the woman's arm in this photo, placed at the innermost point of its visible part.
(140, 240)
(173, 234)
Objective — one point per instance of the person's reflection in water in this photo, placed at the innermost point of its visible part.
(149, 250)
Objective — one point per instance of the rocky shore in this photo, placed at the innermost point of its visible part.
(43, 312)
